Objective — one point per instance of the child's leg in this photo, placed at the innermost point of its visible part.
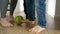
(3, 9)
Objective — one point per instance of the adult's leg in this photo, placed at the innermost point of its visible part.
(29, 6)
(13, 6)
(41, 13)
(3, 9)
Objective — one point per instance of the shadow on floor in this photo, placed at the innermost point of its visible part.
(53, 23)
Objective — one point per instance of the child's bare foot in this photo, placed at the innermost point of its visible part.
(36, 30)
(5, 23)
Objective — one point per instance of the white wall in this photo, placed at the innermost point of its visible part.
(19, 9)
(51, 7)
(21, 6)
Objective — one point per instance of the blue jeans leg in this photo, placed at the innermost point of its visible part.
(41, 13)
(29, 6)
(3, 7)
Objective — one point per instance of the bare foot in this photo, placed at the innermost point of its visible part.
(33, 22)
(36, 30)
(10, 18)
(5, 23)
(28, 21)
(25, 21)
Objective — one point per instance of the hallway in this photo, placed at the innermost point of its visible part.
(52, 26)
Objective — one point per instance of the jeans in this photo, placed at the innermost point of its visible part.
(29, 6)
(12, 6)
(40, 6)
(3, 7)
(41, 12)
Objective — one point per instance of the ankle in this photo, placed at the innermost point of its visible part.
(11, 16)
(33, 22)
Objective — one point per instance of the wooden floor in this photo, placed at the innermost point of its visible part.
(53, 27)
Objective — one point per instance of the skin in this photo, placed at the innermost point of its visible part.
(36, 30)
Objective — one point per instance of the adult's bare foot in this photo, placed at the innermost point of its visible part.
(11, 18)
(36, 30)
(25, 21)
(5, 23)
(28, 21)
